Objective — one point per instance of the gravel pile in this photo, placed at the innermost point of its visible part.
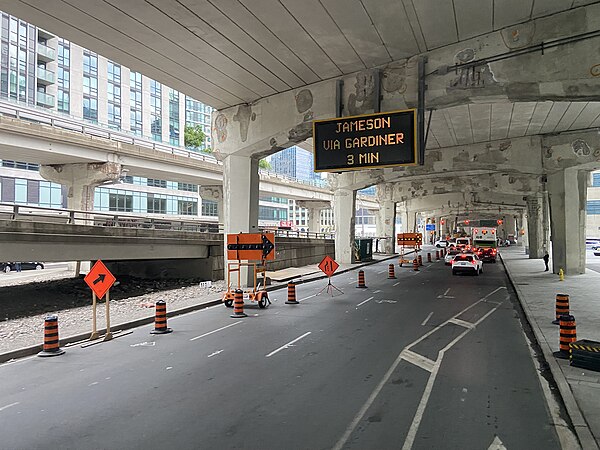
(24, 305)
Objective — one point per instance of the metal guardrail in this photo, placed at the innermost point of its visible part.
(12, 108)
(39, 214)
(298, 234)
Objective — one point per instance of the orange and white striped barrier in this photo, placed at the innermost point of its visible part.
(416, 265)
(568, 334)
(562, 307)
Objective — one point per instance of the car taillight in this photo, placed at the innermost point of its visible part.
(474, 263)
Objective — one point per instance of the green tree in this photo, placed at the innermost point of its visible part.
(193, 136)
(264, 164)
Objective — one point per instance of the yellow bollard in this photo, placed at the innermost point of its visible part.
(561, 274)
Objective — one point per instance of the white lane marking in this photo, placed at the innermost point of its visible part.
(169, 368)
(214, 331)
(93, 384)
(396, 284)
(215, 353)
(9, 406)
(427, 318)
(16, 361)
(386, 301)
(418, 360)
(377, 291)
(462, 323)
(497, 444)
(367, 300)
(447, 290)
(383, 271)
(352, 282)
(144, 344)
(428, 388)
(288, 345)
(306, 298)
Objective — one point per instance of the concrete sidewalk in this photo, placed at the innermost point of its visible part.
(580, 388)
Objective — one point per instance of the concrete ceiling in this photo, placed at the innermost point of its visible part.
(469, 124)
(227, 52)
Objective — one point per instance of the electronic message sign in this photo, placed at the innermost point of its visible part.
(366, 142)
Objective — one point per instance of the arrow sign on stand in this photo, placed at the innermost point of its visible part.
(251, 246)
(99, 279)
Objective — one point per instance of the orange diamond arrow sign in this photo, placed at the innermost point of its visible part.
(99, 279)
(328, 266)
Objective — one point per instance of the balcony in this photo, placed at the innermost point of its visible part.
(45, 77)
(45, 53)
(45, 100)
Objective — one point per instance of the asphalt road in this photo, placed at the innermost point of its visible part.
(427, 361)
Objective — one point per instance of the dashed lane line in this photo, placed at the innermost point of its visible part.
(427, 318)
(214, 331)
(288, 345)
(9, 406)
(367, 300)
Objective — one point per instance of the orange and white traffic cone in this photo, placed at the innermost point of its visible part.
(51, 345)
(160, 319)
(361, 279)
(291, 299)
(416, 265)
(391, 273)
(238, 305)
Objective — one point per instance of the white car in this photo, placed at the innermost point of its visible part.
(450, 256)
(442, 243)
(467, 262)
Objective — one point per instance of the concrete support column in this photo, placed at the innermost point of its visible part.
(314, 212)
(535, 226)
(81, 179)
(344, 206)
(510, 225)
(240, 194)
(385, 220)
(567, 192)
(215, 194)
(411, 221)
(240, 201)
(385, 224)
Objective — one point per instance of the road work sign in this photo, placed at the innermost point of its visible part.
(328, 266)
(99, 279)
(408, 239)
(251, 246)
(365, 142)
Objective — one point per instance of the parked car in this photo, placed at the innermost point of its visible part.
(443, 243)
(12, 266)
(467, 262)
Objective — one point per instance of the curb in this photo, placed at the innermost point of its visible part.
(29, 351)
(580, 426)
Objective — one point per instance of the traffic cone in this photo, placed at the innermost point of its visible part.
(361, 279)
(562, 307)
(238, 305)
(420, 258)
(428, 257)
(291, 300)
(391, 273)
(160, 319)
(51, 345)
(416, 265)
(437, 255)
(568, 334)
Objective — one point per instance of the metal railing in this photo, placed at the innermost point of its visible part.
(40, 214)
(298, 234)
(46, 51)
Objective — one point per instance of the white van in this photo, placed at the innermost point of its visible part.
(463, 242)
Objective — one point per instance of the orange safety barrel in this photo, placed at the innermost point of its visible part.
(416, 265)
(238, 305)
(391, 272)
(160, 319)
(437, 255)
(361, 279)
(420, 260)
(568, 334)
(51, 345)
(291, 294)
(562, 307)
(428, 257)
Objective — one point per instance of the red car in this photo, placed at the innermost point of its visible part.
(487, 254)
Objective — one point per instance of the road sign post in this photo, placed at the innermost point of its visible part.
(100, 280)
(328, 266)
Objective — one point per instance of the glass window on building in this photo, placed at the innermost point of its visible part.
(596, 179)
(90, 86)
(50, 194)
(173, 117)
(156, 110)
(187, 207)
(593, 207)
(135, 103)
(209, 208)
(157, 204)
(195, 115)
(114, 95)
(20, 190)
(64, 76)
